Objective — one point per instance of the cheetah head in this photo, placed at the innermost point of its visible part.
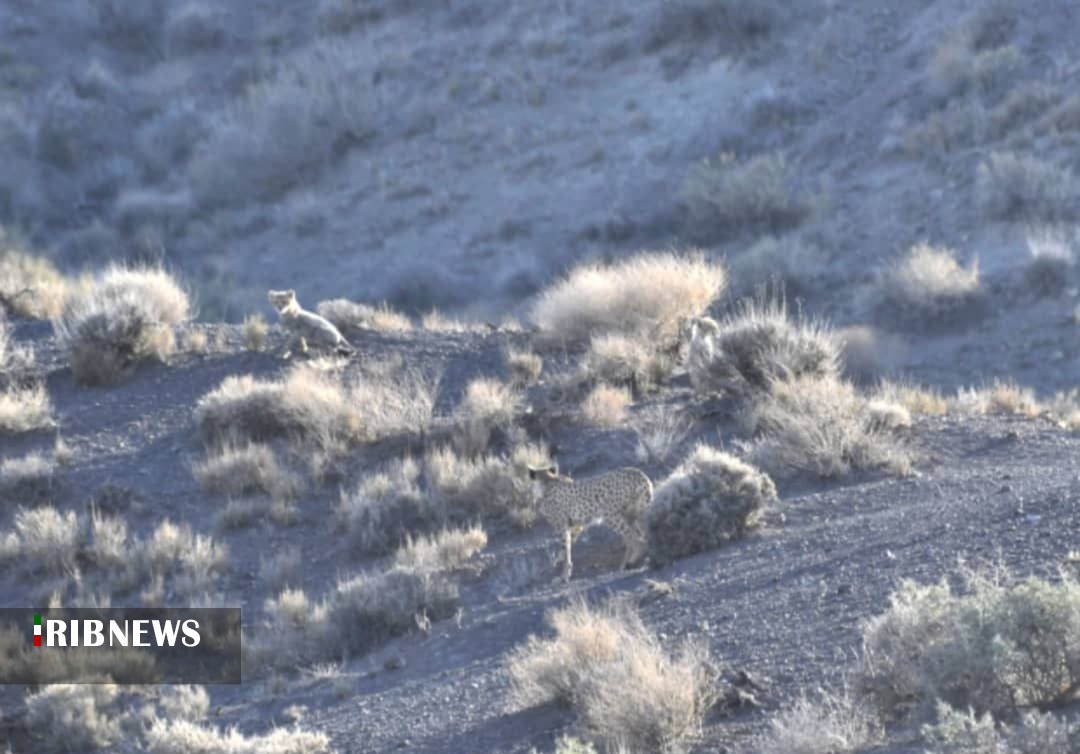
(281, 300)
(544, 475)
(703, 327)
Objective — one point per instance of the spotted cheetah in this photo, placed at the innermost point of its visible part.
(302, 325)
(619, 498)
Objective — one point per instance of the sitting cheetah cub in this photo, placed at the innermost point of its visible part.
(304, 326)
(619, 498)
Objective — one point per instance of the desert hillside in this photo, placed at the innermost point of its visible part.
(810, 270)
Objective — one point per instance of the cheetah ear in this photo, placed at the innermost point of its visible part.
(290, 293)
(554, 469)
(532, 473)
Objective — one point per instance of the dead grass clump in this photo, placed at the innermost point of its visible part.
(358, 614)
(171, 736)
(394, 400)
(436, 321)
(524, 366)
(348, 315)
(956, 732)
(831, 724)
(309, 404)
(1021, 187)
(916, 399)
(660, 434)
(74, 717)
(820, 426)
(697, 21)
(43, 539)
(244, 469)
(23, 409)
(957, 69)
(649, 296)
(254, 331)
(28, 478)
(759, 345)
(1000, 397)
(488, 405)
(727, 196)
(624, 686)
(387, 507)
(126, 316)
(928, 285)
(1001, 646)
(448, 550)
(1052, 259)
(711, 498)
(605, 406)
(30, 286)
(625, 360)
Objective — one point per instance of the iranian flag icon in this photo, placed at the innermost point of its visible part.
(37, 630)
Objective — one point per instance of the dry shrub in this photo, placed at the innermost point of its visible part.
(927, 286)
(625, 360)
(820, 426)
(787, 261)
(1001, 646)
(409, 498)
(488, 405)
(436, 321)
(395, 399)
(758, 346)
(1000, 397)
(124, 317)
(309, 404)
(1021, 187)
(831, 724)
(711, 498)
(956, 732)
(358, 614)
(348, 315)
(649, 296)
(27, 478)
(448, 550)
(243, 469)
(914, 398)
(25, 408)
(254, 331)
(524, 366)
(30, 286)
(660, 433)
(44, 540)
(605, 406)
(171, 736)
(727, 196)
(624, 686)
(867, 353)
(957, 68)
(1051, 261)
(73, 717)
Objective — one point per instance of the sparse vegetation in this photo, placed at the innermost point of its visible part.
(928, 286)
(999, 397)
(25, 409)
(728, 196)
(348, 315)
(649, 296)
(1000, 646)
(831, 724)
(1015, 187)
(30, 286)
(605, 406)
(126, 316)
(524, 366)
(624, 360)
(255, 330)
(27, 478)
(625, 688)
(1051, 261)
(448, 550)
(246, 469)
(820, 426)
(488, 405)
(760, 345)
(712, 497)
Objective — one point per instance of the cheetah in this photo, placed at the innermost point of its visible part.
(303, 326)
(702, 351)
(619, 498)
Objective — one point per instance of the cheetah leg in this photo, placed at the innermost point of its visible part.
(302, 341)
(568, 563)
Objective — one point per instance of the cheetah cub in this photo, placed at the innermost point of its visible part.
(303, 326)
(619, 498)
